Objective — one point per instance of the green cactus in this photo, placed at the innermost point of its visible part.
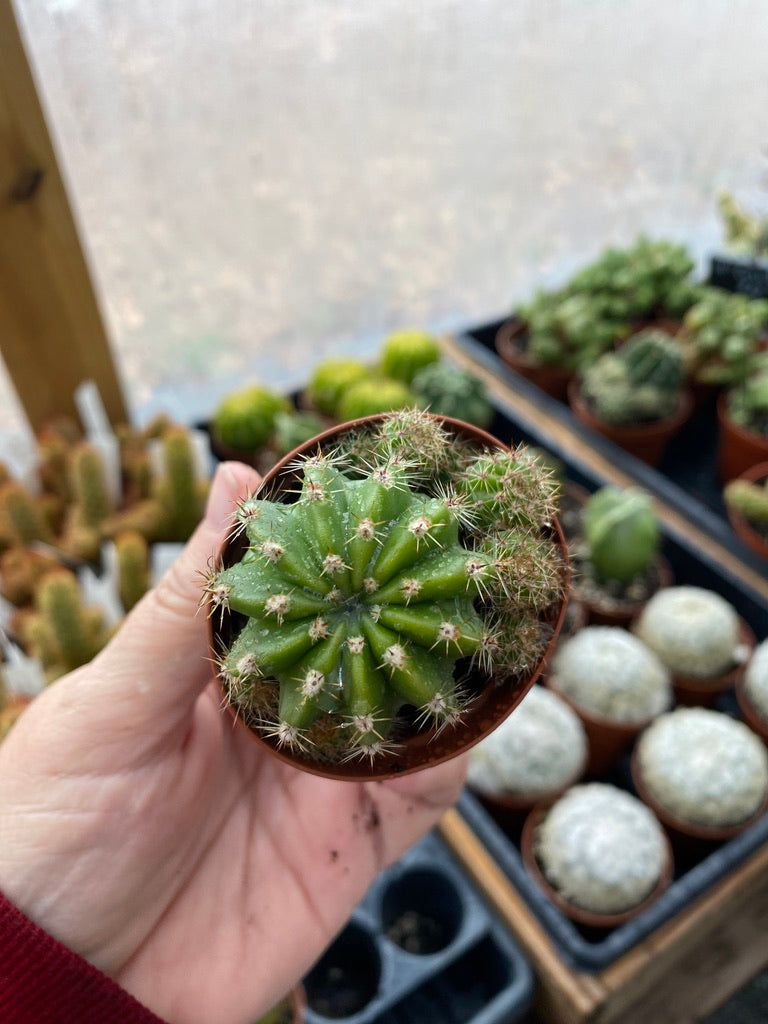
(65, 633)
(621, 532)
(749, 499)
(330, 379)
(294, 428)
(451, 391)
(362, 596)
(245, 419)
(721, 334)
(88, 485)
(180, 493)
(747, 402)
(21, 569)
(569, 331)
(404, 353)
(132, 567)
(372, 395)
(641, 382)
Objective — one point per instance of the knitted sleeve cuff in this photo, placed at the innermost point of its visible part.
(43, 982)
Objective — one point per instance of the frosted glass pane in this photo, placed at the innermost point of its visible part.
(261, 183)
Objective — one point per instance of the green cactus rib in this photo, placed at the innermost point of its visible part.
(359, 598)
(364, 589)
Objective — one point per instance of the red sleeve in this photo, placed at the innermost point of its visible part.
(43, 982)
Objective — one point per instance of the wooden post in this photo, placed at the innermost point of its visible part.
(51, 332)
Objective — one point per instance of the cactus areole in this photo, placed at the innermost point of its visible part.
(388, 594)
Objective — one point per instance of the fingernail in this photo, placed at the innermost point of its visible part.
(222, 498)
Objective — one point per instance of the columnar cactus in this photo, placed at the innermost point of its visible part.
(621, 533)
(362, 596)
(132, 559)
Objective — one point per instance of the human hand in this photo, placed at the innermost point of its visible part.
(149, 835)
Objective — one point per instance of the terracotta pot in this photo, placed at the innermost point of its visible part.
(607, 738)
(756, 721)
(578, 914)
(510, 345)
(510, 809)
(604, 610)
(689, 835)
(421, 747)
(646, 441)
(738, 449)
(744, 530)
(703, 692)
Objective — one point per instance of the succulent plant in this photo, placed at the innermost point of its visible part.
(621, 533)
(91, 504)
(703, 766)
(601, 849)
(245, 419)
(750, 499)
(132, 557)
(746, 233)
(756, 679)
(721, 332)
(641, 382)
(373, 395)
(606, 671)
(406, 553)
(569, 331)
(694, 631)
(20, 513)
(450, 391)
(404, 353)
(747, 401)
(330, 379)
(537, 751)
(21, 569)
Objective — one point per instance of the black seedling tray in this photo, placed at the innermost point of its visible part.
(748, 276)
(421, 947)
(686, 478)
(590, 949)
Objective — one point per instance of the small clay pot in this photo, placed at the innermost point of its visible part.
(421, 747)
(581, 916)
(738, 449)
(703, 692)
(510, 345)
(689, 835)
(756, 721)
(646, 441)
(607, 738)
(756, 540)
(605, 610)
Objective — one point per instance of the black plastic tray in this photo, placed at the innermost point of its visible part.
(470, 970)
(592, 950)
(686, 478)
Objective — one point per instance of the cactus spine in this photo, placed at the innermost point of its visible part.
(362, 595)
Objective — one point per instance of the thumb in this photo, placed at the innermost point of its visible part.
(156, 665)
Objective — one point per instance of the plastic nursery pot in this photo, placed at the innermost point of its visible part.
(510, 345)
(418, 745)
(756, 540)
(689, 835)
(756, 721)
(589, 918)
(703, 692)
(738, 449)
(607, 739)
(510, 810)
(646, 441)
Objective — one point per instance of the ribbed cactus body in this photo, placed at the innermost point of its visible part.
(406, 352)
(451, 391)
(749, 499)
(621, 532)
(653, 358)
(360, 597)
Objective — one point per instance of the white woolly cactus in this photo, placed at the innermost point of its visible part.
(694, 631)
(601, 849)
(538, 750)
(405, 553)
(756, 680)
(606, 671)
(703, 767)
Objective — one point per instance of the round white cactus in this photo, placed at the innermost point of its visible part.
(756, 680)
(601, 848)
(539, 749)
(607, 671)
(694, 631)
(703, 767)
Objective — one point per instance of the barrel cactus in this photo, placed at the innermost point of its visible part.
(404, 353)
(245, 419)
(373, 395)
(408, 564)
(621, 533)
(451, 391)
(330, 379)
(750, 500)
(640, 382)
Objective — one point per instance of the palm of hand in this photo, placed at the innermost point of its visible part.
(146, 833)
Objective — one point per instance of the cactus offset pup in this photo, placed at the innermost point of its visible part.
(409, 572)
